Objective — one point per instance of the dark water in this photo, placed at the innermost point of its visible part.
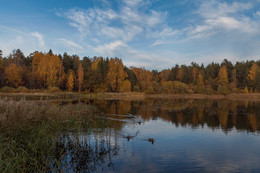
(168, 136)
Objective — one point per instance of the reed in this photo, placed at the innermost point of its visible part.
(29, 132)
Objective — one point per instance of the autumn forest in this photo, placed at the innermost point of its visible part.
(71, 73)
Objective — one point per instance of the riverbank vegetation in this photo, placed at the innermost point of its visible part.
(57, 73)
(30, 133)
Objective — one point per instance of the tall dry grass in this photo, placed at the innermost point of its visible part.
(29, 132)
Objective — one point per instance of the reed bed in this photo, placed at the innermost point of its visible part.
(29, 132)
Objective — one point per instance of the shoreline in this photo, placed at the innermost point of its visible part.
(128, 96)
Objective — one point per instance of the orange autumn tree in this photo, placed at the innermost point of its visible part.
(180, 74)
(116, 74)
(223, 76)
(14, 75)
(223, 80)
(195, 74)
(253, 71)
(70, 82)
(39, 68)
(144, 78)
(53, 69)
(253, 74)
(46, 67)
(80, 76)
(62, 77)
(126, 86)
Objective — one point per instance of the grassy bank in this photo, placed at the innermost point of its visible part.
(141, 96)
(253, 97)
(41, 96)
(29, 132)
(124, 96)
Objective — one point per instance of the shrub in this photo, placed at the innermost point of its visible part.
(222, 89)
(7, 89)
(246, 90)
(53, 90)
(22, 89)
(176, 87)
(136, 88)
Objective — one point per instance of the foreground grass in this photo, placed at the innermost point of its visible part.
(29, 132)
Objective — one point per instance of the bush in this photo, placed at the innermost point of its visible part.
(136, 88)
(53, 90)
(246, 90)
(7, 89)
(22, 89)
(233, 88)
(176, 87)
(222, 89)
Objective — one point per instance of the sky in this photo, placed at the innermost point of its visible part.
(155, 34)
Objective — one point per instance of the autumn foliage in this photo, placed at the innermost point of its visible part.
(14, 75)
(71, 73)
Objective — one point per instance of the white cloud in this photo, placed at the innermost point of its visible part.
(69, 43)
(40, 38)
(215, 9)
(110, 49)
(125, 24)
(133, 26)
(89, 21)
(223, 17)
(139, 58)
(257, 13)
(135, 3)
(28, 42)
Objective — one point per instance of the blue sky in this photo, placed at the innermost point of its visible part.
(148, 33)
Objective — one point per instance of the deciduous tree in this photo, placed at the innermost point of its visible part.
(116, 74)
(80, 76)
(223, 76)
(14, 75)
(70, 82)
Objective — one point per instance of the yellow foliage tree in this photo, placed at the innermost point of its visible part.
(195, 73)
(53, 70)
(126, 86)
(116, 74)
(70, 82)
(144, 78)
(253, 71)
(80, 76)
(94, 62)
(39, 68)
(223, 75)
(180, 74)
(200, 80)
(14, 75)
(47, 67)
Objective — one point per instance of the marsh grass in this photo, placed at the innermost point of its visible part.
(29, 132)
(40, 96)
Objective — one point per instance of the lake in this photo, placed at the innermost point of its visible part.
(166, 135)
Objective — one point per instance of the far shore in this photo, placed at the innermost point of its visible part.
(129, 96)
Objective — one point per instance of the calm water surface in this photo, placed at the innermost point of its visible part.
(159, 135)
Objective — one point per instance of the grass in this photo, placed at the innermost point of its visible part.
(249, 96)
(29, 132)
(113, 96)
(41, 96)
(51, 94)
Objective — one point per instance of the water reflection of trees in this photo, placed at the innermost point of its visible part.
(91, 152)
(227, 114)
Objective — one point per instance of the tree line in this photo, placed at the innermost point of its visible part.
(68, 72)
